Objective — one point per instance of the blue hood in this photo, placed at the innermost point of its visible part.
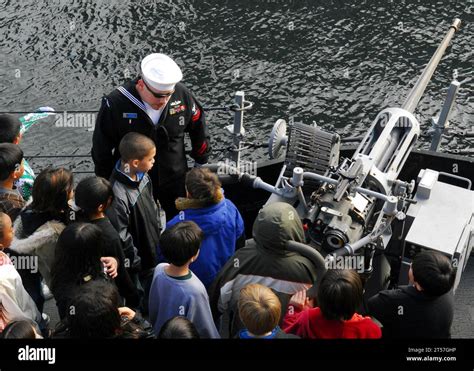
(210, 219)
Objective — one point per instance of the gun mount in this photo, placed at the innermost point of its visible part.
(352, 206)
(354, 198)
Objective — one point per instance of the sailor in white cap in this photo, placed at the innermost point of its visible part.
(159, 106)
(159, 74)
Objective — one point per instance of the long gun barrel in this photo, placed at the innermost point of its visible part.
(383, 151)
(417, 91)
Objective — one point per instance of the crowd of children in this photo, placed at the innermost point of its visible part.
(117, 270)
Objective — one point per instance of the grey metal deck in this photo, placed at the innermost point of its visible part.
(463, 323)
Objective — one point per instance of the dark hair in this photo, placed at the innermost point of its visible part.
(20, 329)
(95, 313)
(340, 294)
(11, 157)
(9, 128)
(135, 146)
(91, 193)
(203, 185)
(178, 328)
(181, 242)
(77, 255)
(51, 190)
(433, 272)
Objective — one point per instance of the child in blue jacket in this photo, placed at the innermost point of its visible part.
(218, 218)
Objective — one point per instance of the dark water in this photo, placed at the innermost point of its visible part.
(337, 63)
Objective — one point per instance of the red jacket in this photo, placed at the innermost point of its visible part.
(311, 324)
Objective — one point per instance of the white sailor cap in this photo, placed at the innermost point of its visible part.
(160, 72)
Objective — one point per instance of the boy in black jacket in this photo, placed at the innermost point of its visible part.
(134, 213)
(423, 309)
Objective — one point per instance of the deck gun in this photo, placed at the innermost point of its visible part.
(349, 206)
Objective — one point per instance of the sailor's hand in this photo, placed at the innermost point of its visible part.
(111, 265)
(299, 300)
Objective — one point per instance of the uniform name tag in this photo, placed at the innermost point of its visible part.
(130, 115)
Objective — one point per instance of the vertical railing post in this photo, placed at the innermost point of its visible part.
(238, 127)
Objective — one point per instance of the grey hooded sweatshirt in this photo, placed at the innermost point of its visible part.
(266, 261)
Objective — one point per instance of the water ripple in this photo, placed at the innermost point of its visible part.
(334, 63)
